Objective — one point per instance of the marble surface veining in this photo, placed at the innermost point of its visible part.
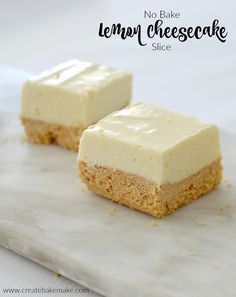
(47, 215)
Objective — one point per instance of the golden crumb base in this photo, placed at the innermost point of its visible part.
(47, 133)
(140, 194)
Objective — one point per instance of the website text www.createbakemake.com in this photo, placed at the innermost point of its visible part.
(46, 290)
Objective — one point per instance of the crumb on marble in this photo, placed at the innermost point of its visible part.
(58, 274)
(153, 223)
(112, 211)
(222, 210)
(227, 183)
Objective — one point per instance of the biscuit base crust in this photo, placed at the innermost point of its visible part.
(142, 195)
(46, 133)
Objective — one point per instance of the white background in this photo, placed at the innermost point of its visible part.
(37, 35)
(195, 77)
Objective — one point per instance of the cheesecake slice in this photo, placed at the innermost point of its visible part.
(59, 104)
(150, 159)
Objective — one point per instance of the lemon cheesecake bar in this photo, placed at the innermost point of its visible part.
(150, 159)
(59, 104)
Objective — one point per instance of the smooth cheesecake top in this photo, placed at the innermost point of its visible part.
(78, 76)
(157, 144)
(149, 126)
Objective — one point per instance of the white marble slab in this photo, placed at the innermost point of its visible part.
(47, 215)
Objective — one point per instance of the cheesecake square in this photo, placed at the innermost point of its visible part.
(58, 104)
(150, 159)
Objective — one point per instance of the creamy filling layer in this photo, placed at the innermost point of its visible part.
(75, 93)
(159, 145)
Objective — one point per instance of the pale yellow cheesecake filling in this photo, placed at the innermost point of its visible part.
(75, 93)
(156, 144)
